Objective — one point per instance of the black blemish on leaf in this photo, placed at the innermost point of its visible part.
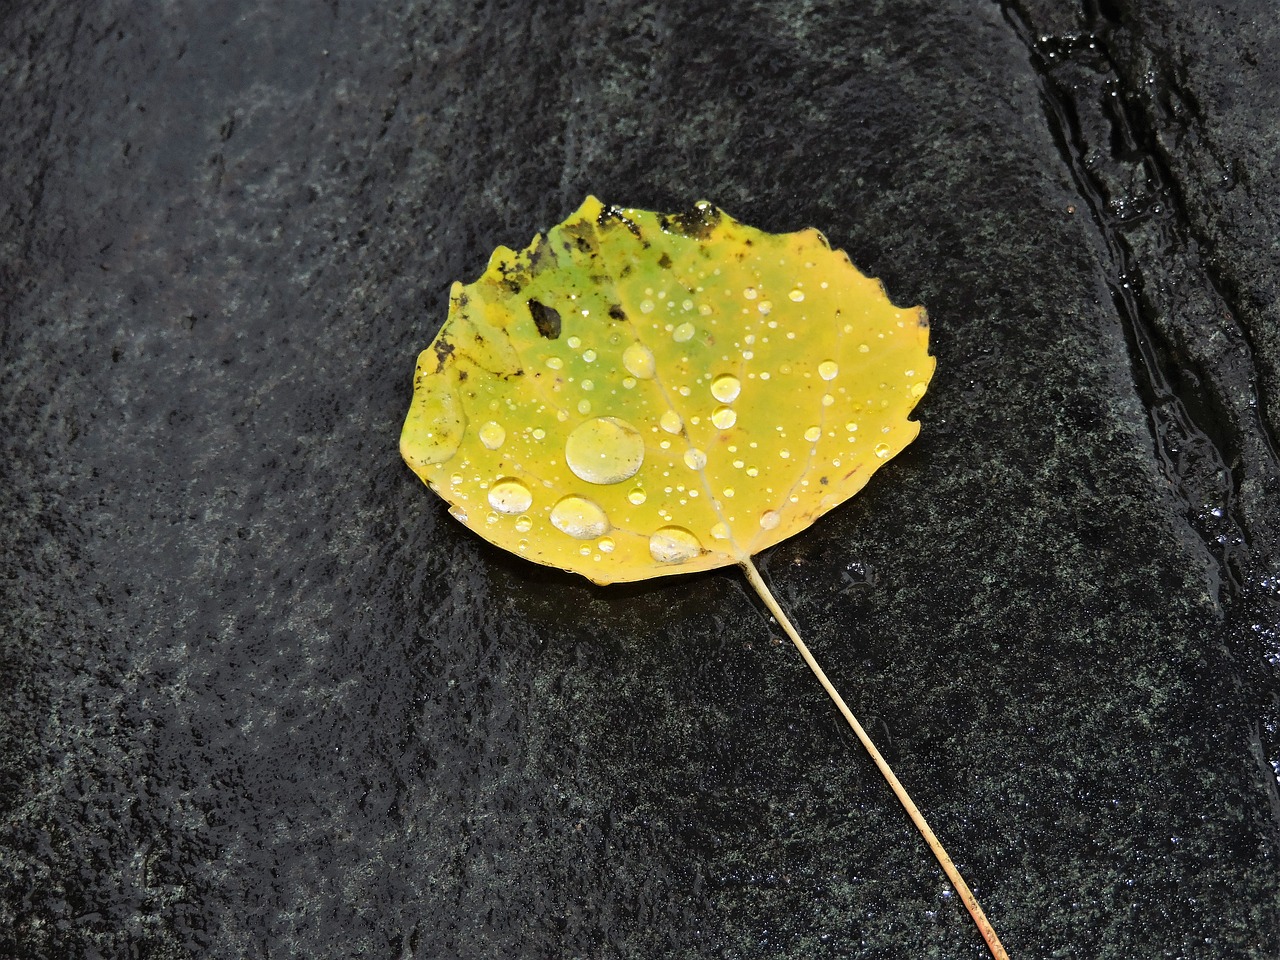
(664, 262)
(546, 319)
(824, 481)
(696, 222)
(444, 349)
(617, 313)
(612, 216)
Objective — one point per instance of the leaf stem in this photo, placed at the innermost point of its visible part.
(944, 860)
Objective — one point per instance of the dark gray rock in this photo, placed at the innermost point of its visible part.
(263, 697)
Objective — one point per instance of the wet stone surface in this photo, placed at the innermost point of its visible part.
(263, 696)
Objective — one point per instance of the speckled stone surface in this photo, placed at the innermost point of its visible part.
(262, 697)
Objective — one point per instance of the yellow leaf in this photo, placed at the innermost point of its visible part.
(638, 394)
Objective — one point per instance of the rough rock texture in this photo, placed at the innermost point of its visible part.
(263, 697)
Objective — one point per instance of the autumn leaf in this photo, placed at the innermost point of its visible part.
(636, 394)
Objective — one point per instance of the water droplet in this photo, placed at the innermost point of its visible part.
(828, 369)
(584, 407)
(671, 422)
(574, 342)
(638, 359)
(683, 333)
(753, 472)
(605, 545)
(882, 450)
(729, 492)
(687, 305)
(580, 518)
(588, 385)
(750, 293)
(637, 496)
(828, 399)
(646, 306)
(492, 435)
(589, 356)
(813, 434)
(458, 514)
(917, 390)
(522, 546)
(785, 454)
(523, 524)
(538, 433)
(863, 348)
(491, 518)
(604, 450)
(555, 363)
(724, 417)
(695, 459)
(456, 479)
(770, 519)
(765, 307)
(674, 545)
(726, 388)
(510, 496)
(720, 531)
(796, 296)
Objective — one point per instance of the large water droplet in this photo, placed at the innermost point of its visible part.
(683, 333)
(674, 545)
(828, 369)
(604, 450)
(492, 435)
(720, 531)
(796, 296)
(813, 434)
(770, 519)
(882, 450)
(695, 459)
(726, 388)
(637, 496)
(580, 518)
(724, 417)
(671, 422)
(510, 496)
(606, 545)
(638, 359)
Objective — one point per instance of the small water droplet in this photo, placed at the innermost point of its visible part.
(574, 342)
(828, 369)
(785, 454)
(538, 433)
(695, 459)
(765, 307)
(687, 305)
(851, 426)
(605, 545)
(580, 518)
(555, 363)
(456, 479)
(882, 450)
(770, 519)
(646, 306)
(863, 348)
(589, 356)
(510, 496)
(491, 518)
(523, 524)
(492, 435)
(813, 434)
(724, 417)
(796, 295)
(726, 388)
(729, 492)
(637, 496)
(458, 514)
(674, 545)
(588, 385)
(683, 333)
(584, 407)
(753, 472)
(917, 390)
(522, 546)
(750, 293)
(671, 422)
(720, 531)
(638, 359)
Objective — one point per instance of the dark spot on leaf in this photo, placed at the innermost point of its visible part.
(612, 216)
(617, 313)
(696, 222)
(444, 350)
(664, 262)
(462, 375)
(546, 319)
(824, 481)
